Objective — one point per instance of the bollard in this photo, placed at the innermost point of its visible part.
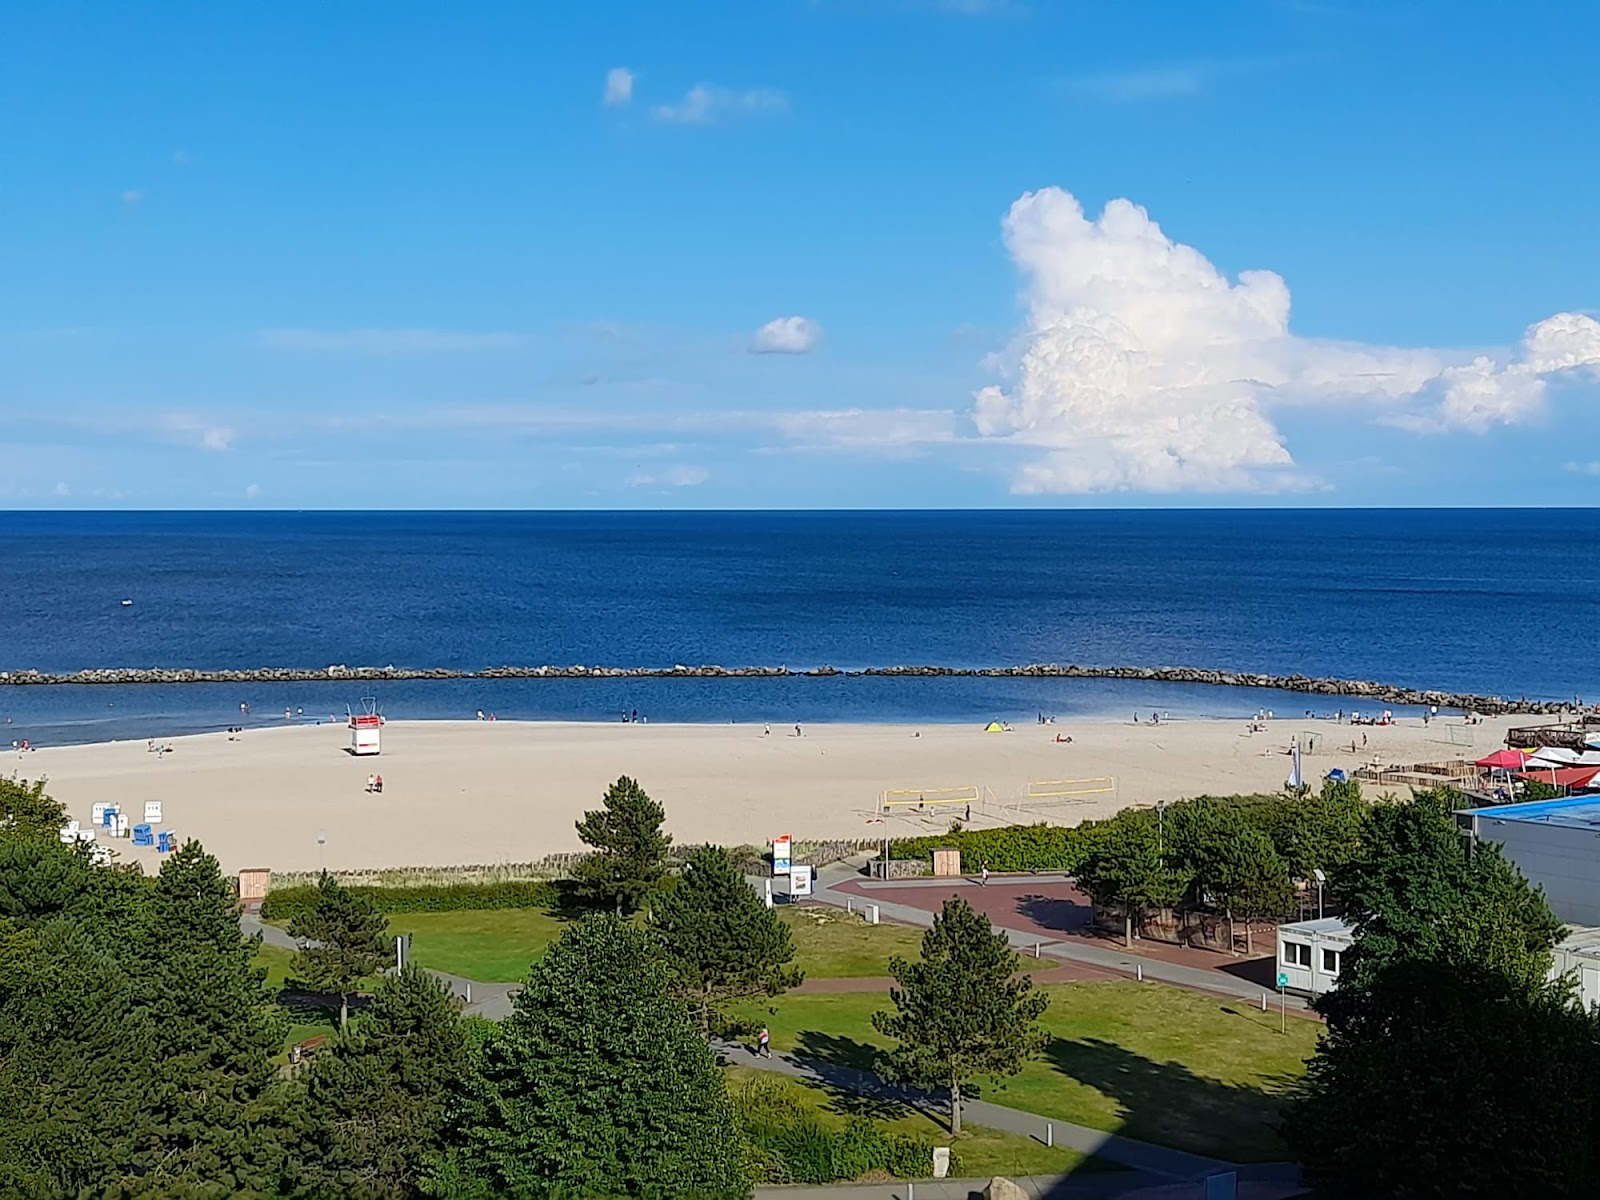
(1263, 1002)
(911, 1191)
(469, 991)
(1049, 1134)
(1036, 946)
(1139, 972)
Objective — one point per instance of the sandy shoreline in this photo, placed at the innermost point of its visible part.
(467, 792)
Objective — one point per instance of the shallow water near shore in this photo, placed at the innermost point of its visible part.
(1491, 601)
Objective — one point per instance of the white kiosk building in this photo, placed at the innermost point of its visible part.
(366, 729)
(1311, 954)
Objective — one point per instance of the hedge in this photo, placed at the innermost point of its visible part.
(284, 904)
(1011, 848)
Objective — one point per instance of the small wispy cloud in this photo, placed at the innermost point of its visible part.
(198, 431)
(673, 477)
(619, 87)
(706, 103)
(1581, 468)
(390, 341)
(786, 335)
(252, 491)
(62, 489)
(133, 195)
(180, 158)
(1145, 83)
(216, 438)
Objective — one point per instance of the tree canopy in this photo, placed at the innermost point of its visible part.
(630, 848)
(377, 1105)
(720, 937)
(598, 1083)
(1451, 1064)
(343, 939)
(959, 1012)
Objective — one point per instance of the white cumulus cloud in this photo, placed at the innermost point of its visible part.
(619, 87)
(786, 335)
(1144, 368)
(706, 102)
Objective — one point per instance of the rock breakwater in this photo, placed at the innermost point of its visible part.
(1356, 689)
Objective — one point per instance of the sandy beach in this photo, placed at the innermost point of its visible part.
(486, 792)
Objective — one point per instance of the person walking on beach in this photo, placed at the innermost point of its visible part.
(764, 1043)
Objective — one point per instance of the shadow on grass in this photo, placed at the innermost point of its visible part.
(832, 1050)
(1167, 1104)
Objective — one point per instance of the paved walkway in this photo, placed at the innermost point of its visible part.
(1118, 963)
(491, 1000)
(1136, 1156)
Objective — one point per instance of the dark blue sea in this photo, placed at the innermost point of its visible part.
(1491, 601)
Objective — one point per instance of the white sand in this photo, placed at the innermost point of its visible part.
(472, 793)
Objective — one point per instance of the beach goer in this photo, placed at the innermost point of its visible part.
(372, 782)
(766, 730)
(983, 875)
(764, 1043)
(797, 732)
(969, 813)
(377, 783)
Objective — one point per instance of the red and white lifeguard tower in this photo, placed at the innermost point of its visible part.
(366, 727)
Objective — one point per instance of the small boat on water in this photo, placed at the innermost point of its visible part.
(127, 603)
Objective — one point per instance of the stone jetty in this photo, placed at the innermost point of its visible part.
(1354, 689)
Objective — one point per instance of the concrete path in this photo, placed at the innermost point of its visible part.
(491, 1000)
(1153, 1160)
(1073, 950)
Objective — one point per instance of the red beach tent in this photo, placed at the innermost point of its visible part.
(1567, 777)
(1505, 760)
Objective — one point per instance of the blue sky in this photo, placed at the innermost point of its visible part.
(800, 253)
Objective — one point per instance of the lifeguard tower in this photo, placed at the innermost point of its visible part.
(366, 727)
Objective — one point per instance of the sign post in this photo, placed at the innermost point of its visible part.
(782, 856)
(1283, 1002)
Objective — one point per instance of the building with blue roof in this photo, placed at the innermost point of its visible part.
(1554, 843)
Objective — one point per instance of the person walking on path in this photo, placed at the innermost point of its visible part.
(764, 1043)
(983, 875)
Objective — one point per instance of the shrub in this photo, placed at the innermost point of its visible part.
(284, 904)
(790, 1142)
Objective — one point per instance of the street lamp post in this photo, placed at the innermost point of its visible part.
(1321, 879)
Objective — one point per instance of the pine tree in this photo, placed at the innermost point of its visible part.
(75, 1066)
(210, 1121)
(377, 1104)
(721, 938)
(1249, 881)
(1126, 865)
(343, 939)
(26, 810)
(960, 1014)
(598, 1084)
(630, 857)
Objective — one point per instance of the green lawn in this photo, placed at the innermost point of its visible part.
(982, 1152)
(276, 960)
(498, 945)
(495, 945)
(831, 944)
(1160, 1064)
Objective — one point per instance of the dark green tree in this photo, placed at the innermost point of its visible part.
(1419, 889)
(27, 810)
(41, 878)
(1125, 867)
(958, 1012)
(1248, 880)
(343, 939)
(210, 1119)
(1321, 830)
(720, 937)
(75, 1070)
(377, 1104)
(630, 849)
(1440, 1079)
(598, 1084)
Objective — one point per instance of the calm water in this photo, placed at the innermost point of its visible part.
(1490, 601)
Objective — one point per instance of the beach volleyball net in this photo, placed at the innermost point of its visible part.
(1047, 793)
(899, 800)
